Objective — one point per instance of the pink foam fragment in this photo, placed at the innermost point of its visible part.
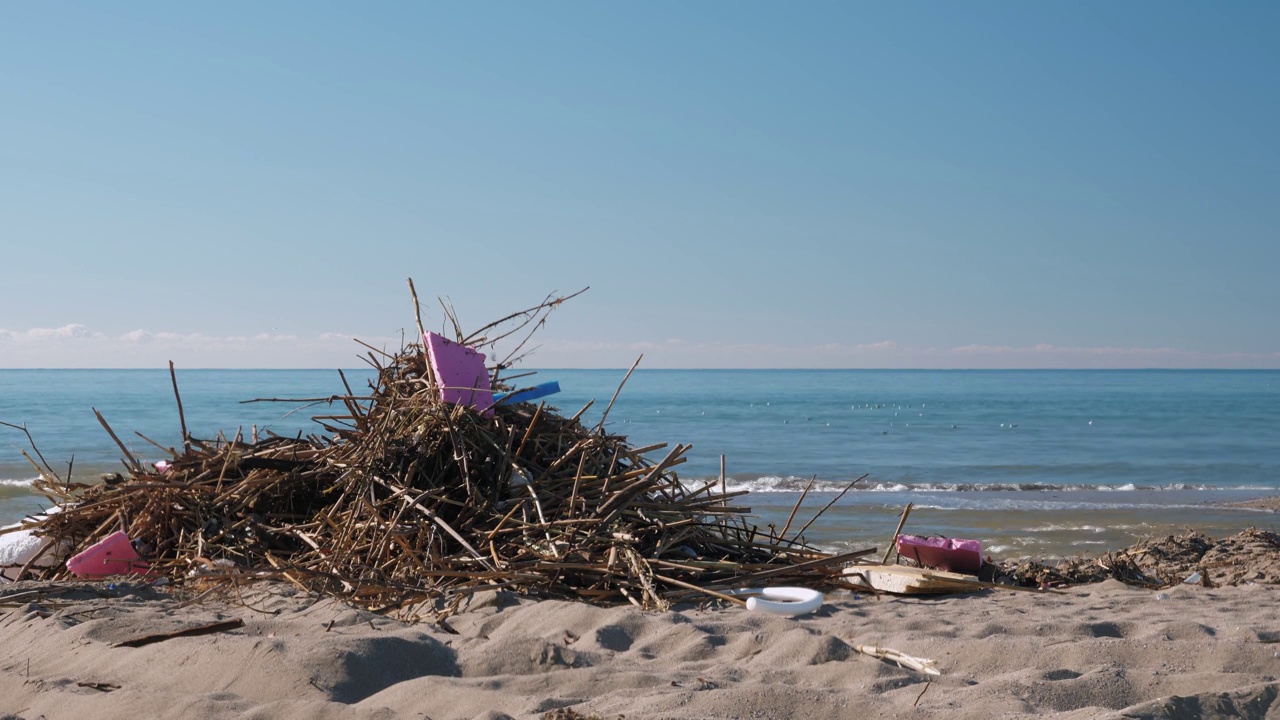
(112, 555)
(950, 554)
(460, 372)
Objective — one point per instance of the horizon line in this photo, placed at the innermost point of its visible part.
(688, 369)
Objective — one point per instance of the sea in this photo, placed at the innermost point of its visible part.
(1032, 463)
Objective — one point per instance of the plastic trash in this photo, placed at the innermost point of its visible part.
(783, 601)
(1192, 579)
(18, 547)
(113, 555)
(528, 394)
(16, 550)
(460, 373)
(952, 554)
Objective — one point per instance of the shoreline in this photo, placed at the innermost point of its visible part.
(1270, 503)
(1023, 525)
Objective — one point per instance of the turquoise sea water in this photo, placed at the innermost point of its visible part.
(1028, 461)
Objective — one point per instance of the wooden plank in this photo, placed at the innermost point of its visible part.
(902, 580)
(905, 580)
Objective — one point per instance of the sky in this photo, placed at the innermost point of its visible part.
(740, 184)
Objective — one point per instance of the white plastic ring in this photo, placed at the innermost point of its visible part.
(784, 601)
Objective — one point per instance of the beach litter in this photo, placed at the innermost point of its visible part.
(18, 548)
(420, 488)
(949, 554)
(112, 555)
(919, 664)
(781, 601)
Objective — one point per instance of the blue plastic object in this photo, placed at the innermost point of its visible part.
(528, 394)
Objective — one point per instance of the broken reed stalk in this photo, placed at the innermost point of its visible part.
(452, 316)
(422, 331)
(799, 502)
(477, 338)
(893, 542)
(137, 466)
(827, 507)
(618, 392)
(31, 441)
(182, 416)
(704, 591)
(724, 488)
(919, 664)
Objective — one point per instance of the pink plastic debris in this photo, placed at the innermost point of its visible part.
(461, 373)
(162, 466)
(950, 554)
(112, 555)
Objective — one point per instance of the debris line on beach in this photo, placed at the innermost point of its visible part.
(1250, 556)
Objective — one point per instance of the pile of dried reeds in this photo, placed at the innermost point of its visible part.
(407, 498)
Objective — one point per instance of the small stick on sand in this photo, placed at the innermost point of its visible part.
(922, 692)
(918, 664)
(207, 629)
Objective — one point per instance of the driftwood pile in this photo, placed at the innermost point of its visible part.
(405, 498)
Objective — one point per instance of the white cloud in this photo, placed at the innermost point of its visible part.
(73, 331)
(77, 345)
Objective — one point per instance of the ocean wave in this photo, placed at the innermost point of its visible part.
(1053, 527)
(15, 487)
(1096, 529)
(795, 483)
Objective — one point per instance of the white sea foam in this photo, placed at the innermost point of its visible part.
(1096, 529)
(888, 487)
(771, 483)
(797, 483)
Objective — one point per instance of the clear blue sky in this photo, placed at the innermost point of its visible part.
(741, 184)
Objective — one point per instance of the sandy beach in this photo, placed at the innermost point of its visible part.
(1096, 651)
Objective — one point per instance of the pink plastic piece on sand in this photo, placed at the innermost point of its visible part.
(112, 555)
(942, 553)
(460, 372)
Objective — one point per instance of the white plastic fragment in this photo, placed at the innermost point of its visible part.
(782, 601)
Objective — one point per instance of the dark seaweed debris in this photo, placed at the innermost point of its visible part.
(1249, 556)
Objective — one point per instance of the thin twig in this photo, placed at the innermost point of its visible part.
(893, 542)
(182, 417)
(617, 392)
